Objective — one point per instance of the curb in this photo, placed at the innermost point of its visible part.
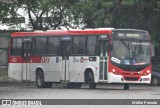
(10, 82)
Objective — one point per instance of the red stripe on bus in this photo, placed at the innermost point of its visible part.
(61, 33)
(30, 60)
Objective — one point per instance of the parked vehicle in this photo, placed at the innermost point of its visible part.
(74, 57)
(155, 79)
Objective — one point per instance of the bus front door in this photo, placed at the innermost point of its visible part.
(64, 65)
(103, 64)
(26, 59)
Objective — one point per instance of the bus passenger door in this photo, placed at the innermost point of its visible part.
(26, 59)
(64, 65)
(103, 64)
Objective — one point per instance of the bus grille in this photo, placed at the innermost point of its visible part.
(131, 78)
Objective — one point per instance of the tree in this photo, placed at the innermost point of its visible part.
(48, 14)
(93, 13)
(55, 14)
(43, 14)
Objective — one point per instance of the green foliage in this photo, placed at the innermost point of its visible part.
(7, 10)
(134, 14)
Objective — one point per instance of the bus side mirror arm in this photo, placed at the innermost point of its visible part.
(110, 47)
(152, 50)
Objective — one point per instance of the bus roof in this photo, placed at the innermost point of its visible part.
(62, 32)
(135, 30)
(71, 32)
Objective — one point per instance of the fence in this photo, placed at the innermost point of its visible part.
(4, 42)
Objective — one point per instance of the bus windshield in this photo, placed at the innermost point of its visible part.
(130, 55)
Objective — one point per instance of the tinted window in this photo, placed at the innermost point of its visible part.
(91, 45)
(40, 46)
(16, 49)
(79, 43)
(53, 45)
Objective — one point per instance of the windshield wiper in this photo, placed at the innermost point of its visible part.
(124, 44)
(138, 45)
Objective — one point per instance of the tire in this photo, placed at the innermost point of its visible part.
(91, 83)
(79, 85)
(155, 81)
(126, 86)
(40, 79)
(48, 85)
(74, 85)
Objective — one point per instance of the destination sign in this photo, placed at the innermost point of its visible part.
(130, 35)
(66, 38)
(103, 37)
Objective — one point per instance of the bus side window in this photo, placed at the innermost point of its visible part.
(40, 46)
(33, 47)
(16, 49)
(92, 45)
(53, 46)
(79, 44)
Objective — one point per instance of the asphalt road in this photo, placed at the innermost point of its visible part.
(101, 92)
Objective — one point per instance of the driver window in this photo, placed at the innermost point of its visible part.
(120, 51)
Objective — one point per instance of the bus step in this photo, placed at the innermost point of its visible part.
(64, 81)
(103, 81)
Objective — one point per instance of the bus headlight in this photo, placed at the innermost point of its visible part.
(115, 71)
(140, 72)
(146, 72)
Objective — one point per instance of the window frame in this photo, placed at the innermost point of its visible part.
(57, 52)
(11, 47)
(35, 49)
(85, 36)
(96, 45)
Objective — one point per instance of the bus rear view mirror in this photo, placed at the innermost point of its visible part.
(152, 50)
(110, 46)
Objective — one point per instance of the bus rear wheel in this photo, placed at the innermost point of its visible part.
(91, 83)
(48, 85)
(126, 86)
(40, 79)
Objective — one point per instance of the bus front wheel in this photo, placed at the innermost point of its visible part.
(40, 79)
(91, 83)
(48, 84)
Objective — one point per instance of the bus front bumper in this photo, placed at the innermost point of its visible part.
(112, 78)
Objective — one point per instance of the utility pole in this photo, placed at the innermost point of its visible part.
(8, 1)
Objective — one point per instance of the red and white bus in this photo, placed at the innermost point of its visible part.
(81, 56)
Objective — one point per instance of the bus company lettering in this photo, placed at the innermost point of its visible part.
(75, 59)
(14, 59)
(45, 59)
(83, 60)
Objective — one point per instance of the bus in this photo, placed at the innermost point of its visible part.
(75, 57)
